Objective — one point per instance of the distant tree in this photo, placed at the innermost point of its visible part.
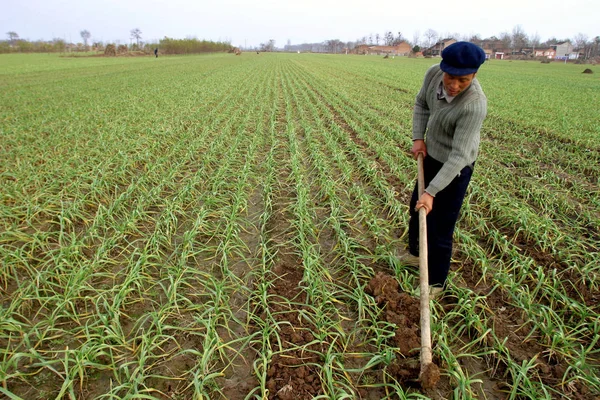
(85, 35)
(377, 37)
(59, 44)
(534, 41)
(333, 45)
(596, 48)
(416, 38)
(518, 38)
(431, 37)
(388, 38)
(553, 41)
(454, 35)
(268, 46)
(506, 40)
(583, 45)
(416, 49)
(370, 39)
(475, 39)
(580, 40)
(12, 37)
(137, 35)
(398, 39)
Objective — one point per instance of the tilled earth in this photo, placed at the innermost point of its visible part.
(402, 310)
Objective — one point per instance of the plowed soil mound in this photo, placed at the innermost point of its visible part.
(402, 310)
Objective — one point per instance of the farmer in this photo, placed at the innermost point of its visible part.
(156, 52)
(448, 114)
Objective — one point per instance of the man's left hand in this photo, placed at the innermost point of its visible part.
(426, 200)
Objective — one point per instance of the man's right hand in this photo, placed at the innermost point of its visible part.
(419, 147)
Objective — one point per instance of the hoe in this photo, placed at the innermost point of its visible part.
(429, 374)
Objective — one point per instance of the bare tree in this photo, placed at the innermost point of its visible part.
(388, 38)
(12, 37)
(268, 46)
(454, 35)
(137, 35)
(431, 37)
(596, 47)
(580, 40)
(506, 40)
(377, 38)
(416, 38)
(534, 41)
(85, 35)
(583, 45)
(475, 39)
(334, 45)
(518, 38)
(399, 39)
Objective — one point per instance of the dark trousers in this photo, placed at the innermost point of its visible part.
(440, 221)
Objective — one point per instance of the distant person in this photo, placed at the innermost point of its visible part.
(156, 52)
(448, 115)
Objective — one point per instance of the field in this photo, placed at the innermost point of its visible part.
(209, 227)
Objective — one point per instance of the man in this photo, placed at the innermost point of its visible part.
(448, 114)
(156, 52)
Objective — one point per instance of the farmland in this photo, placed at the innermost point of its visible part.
(208, 227)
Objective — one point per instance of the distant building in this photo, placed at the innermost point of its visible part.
(548, 53)
(493, 47)
(436, 49)
(565, 50)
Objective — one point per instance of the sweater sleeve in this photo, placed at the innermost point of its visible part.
(421, 110)
(465, 145)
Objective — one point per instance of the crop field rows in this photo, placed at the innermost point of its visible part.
(208, 227)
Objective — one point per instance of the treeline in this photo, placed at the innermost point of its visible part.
(39, 46)
(166, 46)
(191, 46)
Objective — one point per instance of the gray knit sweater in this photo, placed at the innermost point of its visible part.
(451, 130)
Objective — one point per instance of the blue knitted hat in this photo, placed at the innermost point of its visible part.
(462, 58)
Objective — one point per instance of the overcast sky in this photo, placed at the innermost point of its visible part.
(253, 22)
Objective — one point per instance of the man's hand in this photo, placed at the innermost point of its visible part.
(426, 201)
(419, 147)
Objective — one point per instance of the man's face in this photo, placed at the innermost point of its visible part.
(454, 84)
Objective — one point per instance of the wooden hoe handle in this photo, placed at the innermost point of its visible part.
(424, 274)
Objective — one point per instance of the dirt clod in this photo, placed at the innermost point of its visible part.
(402, 310)
(588, 71)
(430, 376)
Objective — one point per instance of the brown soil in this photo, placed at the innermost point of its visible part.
(293, 371)
(403, 311)
(510, 326)
(430, 376)
(290, 375)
